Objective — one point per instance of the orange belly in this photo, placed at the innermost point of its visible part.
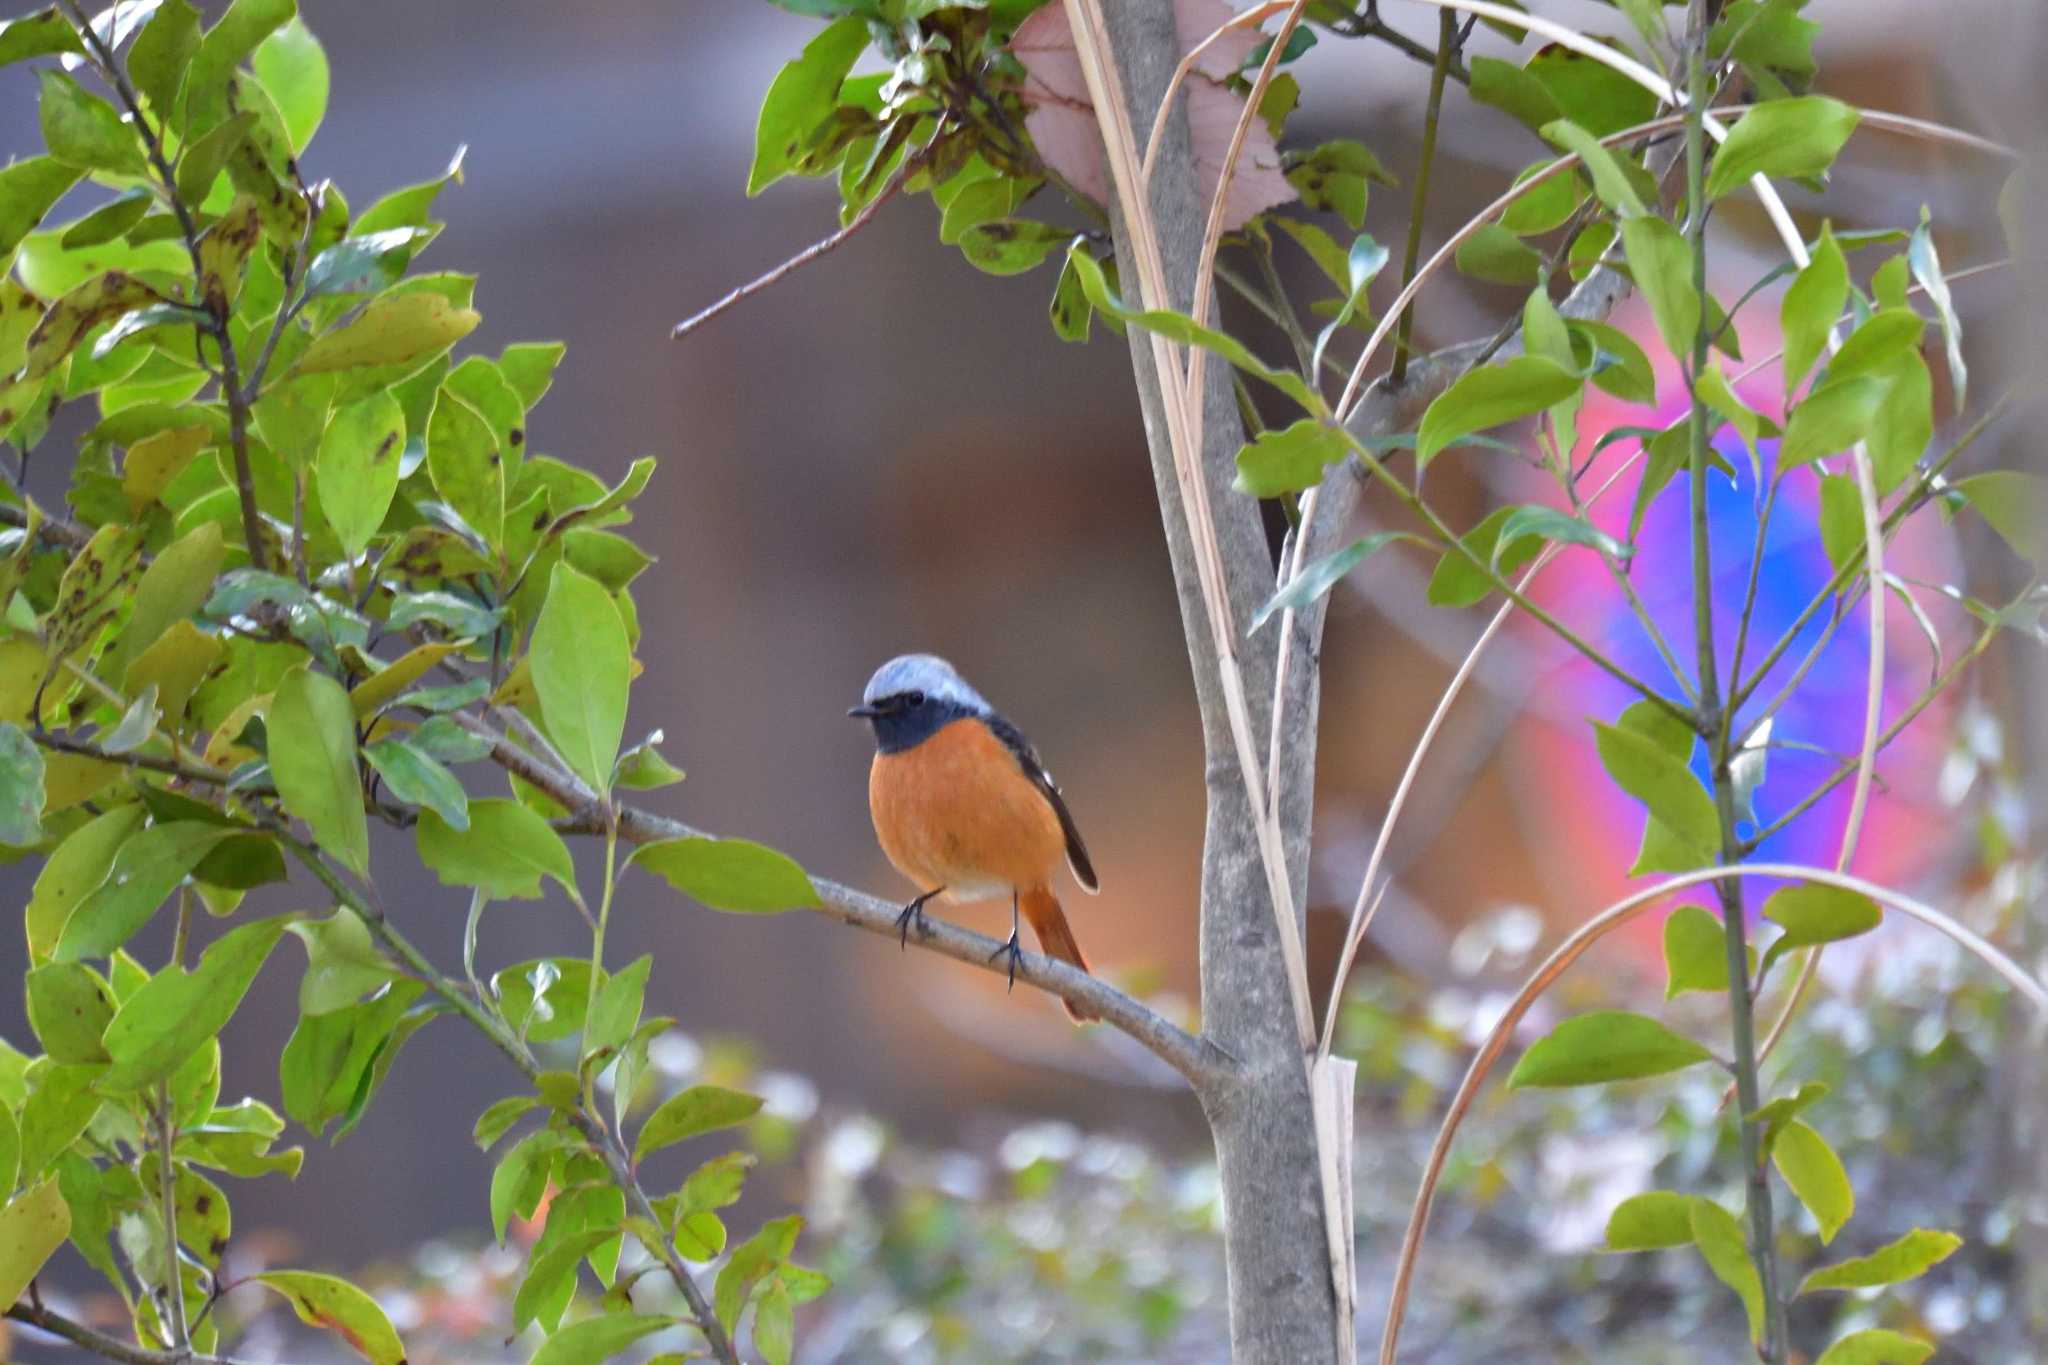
(958, 812)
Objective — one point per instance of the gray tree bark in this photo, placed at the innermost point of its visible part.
(1282, 1306)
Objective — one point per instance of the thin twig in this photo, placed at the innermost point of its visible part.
(100, 1344)
(1446, 43)
(911, 166)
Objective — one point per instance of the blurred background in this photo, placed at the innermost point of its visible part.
(891, 451)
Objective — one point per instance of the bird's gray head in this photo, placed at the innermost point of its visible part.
(913, 696)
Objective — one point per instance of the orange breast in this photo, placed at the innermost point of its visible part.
(957, 811)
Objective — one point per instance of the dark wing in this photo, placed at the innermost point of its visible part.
(1027, 759)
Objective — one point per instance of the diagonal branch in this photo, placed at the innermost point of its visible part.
(100, 1344)
(1203, 1063)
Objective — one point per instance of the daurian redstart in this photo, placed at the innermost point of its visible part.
(963, 807)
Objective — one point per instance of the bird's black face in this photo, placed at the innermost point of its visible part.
(904, 720)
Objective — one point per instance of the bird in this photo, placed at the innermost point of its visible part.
(964, 809)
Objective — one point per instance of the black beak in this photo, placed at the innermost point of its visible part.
(864, 711)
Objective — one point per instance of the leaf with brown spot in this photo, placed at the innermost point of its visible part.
(81, 309)
(338, 1306)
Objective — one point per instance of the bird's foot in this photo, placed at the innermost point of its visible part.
(913, 914)
(1012, 950)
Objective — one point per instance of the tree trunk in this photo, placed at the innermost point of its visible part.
(1282, 1309)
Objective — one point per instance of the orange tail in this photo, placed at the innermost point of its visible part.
(1049, 922)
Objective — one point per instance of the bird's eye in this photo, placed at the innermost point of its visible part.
(913, 699)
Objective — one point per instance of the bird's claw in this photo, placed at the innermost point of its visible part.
(913, 913)
(1014, 951)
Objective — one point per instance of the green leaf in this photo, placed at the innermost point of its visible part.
(582, 668)
(552, 1273)
(21, 788)
(2013, 504)
(1907, 1258)
(364, 263)
(203, 161)
(359, 459)
(1774, 1114)
(497, 1120)
(590, 1340)
(1321, 248)
(32, 1227)
(69, 1007)
(612, 560)
(1813, 301)
(800, 99)
(110, 220)
(1665, 785)
(1333, 176)
(750, 1262)
(1498, 256)
(729, 874)
(774, 1323)
(1786, 138)
(1830, 419)
(616, 1012)
(177, 1011)
(1319, 577)
(642, 768)
(467, 465)
(1695, 952)
(505, 851)
(339, 1307)
(44, 33)
(1289, 459)
(1491, 397)
(85, 131)
(529, 367)
(1513, 91)
(312, 738)
(342, 964)
(72, 318)
(1841, 518)
(698, 1110)
(29, 188)
(1719, 1238)
(333, 1061)
(1610, 183)
(1010, 246)
(1877, 1346)
(1458, 582)
(1541, 523)
(1904, 425)
(1815, 1174)
(1812, 912)
(163, 51)
(293, 68)
(1605, 1045)
(73, 872)
(1722, 400)
(396, 329)
(1882, 338)
(416, 778)
(1181, 328)
(1650, 1222)
(1661, 262)
(148, 867)
(63, 1102)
